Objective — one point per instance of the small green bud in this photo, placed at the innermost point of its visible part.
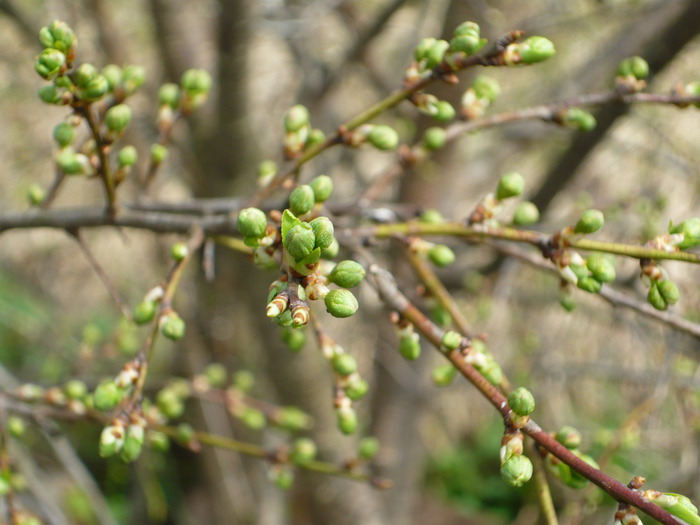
(133, 78)
(332, 251)
(591, 221)
(252, 222)
(50, 94)
(441, 255)
(602, 267)
(50, 63)
(96, 89)
(655, 298)
(300, 241)
(323, 232)
(510, 185)
(521, 401)
(72, 163)
(517, 470)
(451, 340)
(368, 447)
(170, 403)
(525, 214)
(341, 303)
(179, 251)
(196, 82)
(35, 194)
(569, 437)
(58, 35)
(296, 118)
(357, 388)
(431, 216)
(127, 156)
(144, 312)
(669, 291)
(322, 186)
(434, 138)
(185, 434)
(216, 375)
(347, 274)
(383, 137)
(589, 284)
(294, 338)
(117, 118)
(486, 88)
(536, 49)
(64, 134)
(409, 347)
(468, 44)
(133, 443)
(107, 395)
(315, 136)
(690, 229)
(578, 118)
(467, 28)
(344, 364)
(423, 47)
(435, 53)
(253, 418)
(158, 441)
(243, 380)
(172, 326)
(15, 426)
(634, 66)
(444, 112)
(303, 451)
(84, 74)
(159, 153)
(347, 420)
(169, 95)
(301, 199)
(444, 375)
(75, 389)
(113, 74)
(111, 440)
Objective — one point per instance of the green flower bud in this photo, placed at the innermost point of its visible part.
(423, 47)
(267, 169)
(486, 88)
(436, 53)
(133, 443)
(589, 284)
(347, 420)
(451, 340)
(344, 364)
(243, 380)
(169, 95)
(84, 74)
(669, 291)
(441, 255)
(15, 426)
(196, 82)
(468, 44)
(510, 184)
(690, 229)
(434, 138)
(75, 389)
(517, 470)
(64, 134)
(111, 440)
(525, 214)
(107, 396)
(252, 222)
(170, 403)
(357, 388)
(409, 347)
(117, 118)
(535, 49)
(368, 447)
(323, 231)
(316, 136)
(578, 118)
(144, 312)
(301, 199)
(591, 221)
(521, 401)
(158, 441)
(347, 274)
(253, 418)
(72, 163)
(431, 216)
(159, 153)
(50, 63)
(58, 35)
(296, 118)
(383, 137)
(185, 434)
(133, 78)
(692, 89)
(602, 267)
(216, 375)
(444, 112)
(332, 251)
(295, 339)
(444, 375)
(35, 194)
(569, 437)
(127, 156)
(303, 451)
(172, 326)
(50, 94)
(655, 298)
(634, 66)
(341, 303)
(322, 186)
(300, 241)
(113, 75)
(676, 504)
(96, 89)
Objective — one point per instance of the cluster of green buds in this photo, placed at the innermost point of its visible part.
(479, 96)
(588, 274)
(430, 105)
(170, 401)
(299, 135)
(516, 468)
(409, 341)
(124, 437)
(677, 504)
(511, 184)
(571, 439)
(72, 396)
(175, 100)
(576, 118)
(530, 51)
(349, 384)
(479, 356)
(631, 75)
(68, 160)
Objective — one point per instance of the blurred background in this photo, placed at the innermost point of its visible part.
(630, 384)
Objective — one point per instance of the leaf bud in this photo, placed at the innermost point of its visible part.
(111, 439)
(267, 169)
(144, 312)
(510, 184)
(690, 229)
(72, 163)
(172, 326)
(569, 437)
(577, 118)
(347, 274)
(58, 35)
(196, 82)
(341, 303)
(84, 74)
(443, 375)
(409, 346)
(634, 66)
(590, 222)
(535, 49)
(451, 340)
(117, 118)
(113, 74)
(356, 388)
(127, 156)
(368, 447)
(300, 241)
(169, 95)
(486, 88)
(252, 222)
(589, 283)
(655, 298)
(436, 53)
(107, 396)
(50, 63)
(294, 338)
(159, 153)
(669, 291)
(344, 364)
(50, 94)
(301, 200)
(322, 185)
(521, 401)
(347, 419)
(602, 267)
(383, 137)
(441, 255)
(35, 194)
(526, 214)
(296, 118)
(303, 451)
(444, 112)
(517, 470)
(434, 138)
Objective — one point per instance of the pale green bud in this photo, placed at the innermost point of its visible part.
(185, 434)
(267, 169)
(332, 251)
(96, 89)
(315, 136)
(676, 504)
(216, 375)
(303, 451)
(441, 255)
(409, 347)
(492, 371)
(300, 241)
(253, 418)
(111, 440)
(170, 403)
(50, 94)
(510, 185)
(589, 283)
(368, 447)
(357, 388)
(347, 420)
(133, 443)
(64, 134)
(444, 375)
(434, 138)
(517, 470)
(467, 28)
(383, 137)
(107, 395)
(669, 291)
(113, 74)
(435, 53)
(117, 118)
(196, 82)
(296, 118)
(655, 298)
(521, 401)
(569, 437)
(347, 274)
(172, 326)
(341, 303)
(322, 186)
(144, 312)
(602, 267)
(431, 216)
(690, 229)
(169, 95)
(591, 221)
(451, 340)
(75, 389)
(486, 88)
(323, 231)
(295, 339)
(50, 63)
(133, 78)
(158, 441)
(444, 112)
(252, 222)
(578, 118)
(301, 200)
(243, 380)
(468, 44)
(35, 194)
(15, 426)
(159, 153)
(58, 35)
(72, 163)
(84, 74)
(536, 49)
(634, 66)
(423, 47)
(127, 156)
(344, 364)
(525, 214)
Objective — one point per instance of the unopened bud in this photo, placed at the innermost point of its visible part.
(569, 437)
(634, 66)
(323, 232)
(368, 447)
(655, 298)
(172, 326)
(35, 194)
(113, 74)
(75, 389)
(347, 419)
(451, 340)
(341, 303)
(344, 364)
(296, 118)
(159, 153)
(525, 214)
(144, 312)
(301, 200)
(252, 222)
(510, 185)
(441, 255)
(50, 94)
(589, 284)
(303, 451)
(295, 339)
(111, 440)
(169, 95)
(117, 118)
(444, 112)
(517, 470)
(107, 395)
(486, 88)
(50, 63)
(578, 118)
(669, 291)
(356, 388)
(383, 137)
(133, 443)
(322, 186)
(521, 401)
(444, 375)
(690, 229)
(300, 241)
(347, 274)
(133, 78)
(602, 267)
(64, 134)
(409, 346)
(591, 221)
(535, 49)
(434, 138)
(58, 35)
(72, 163)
